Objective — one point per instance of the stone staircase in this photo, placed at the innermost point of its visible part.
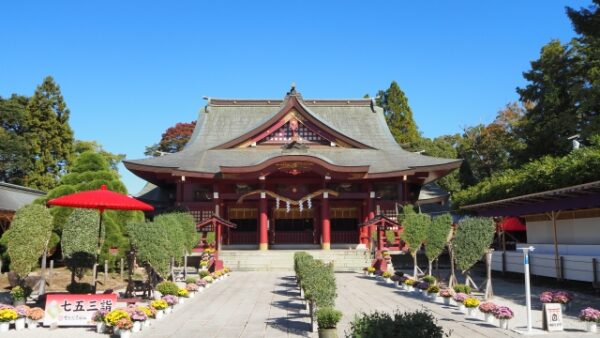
(283, 260)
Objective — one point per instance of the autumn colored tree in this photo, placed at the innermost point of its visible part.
(49, 136)
(172, 140)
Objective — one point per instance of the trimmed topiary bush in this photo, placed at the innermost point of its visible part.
(167, 288)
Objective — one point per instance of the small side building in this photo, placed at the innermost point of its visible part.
(563, 225)
(13, 197)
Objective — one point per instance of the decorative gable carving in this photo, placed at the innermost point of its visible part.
(294, 131)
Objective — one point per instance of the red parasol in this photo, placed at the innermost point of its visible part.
(101, 199)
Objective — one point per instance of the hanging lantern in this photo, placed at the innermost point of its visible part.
(309, 203)
(277, 203)
(288, 208)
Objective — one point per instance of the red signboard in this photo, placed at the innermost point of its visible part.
(76, 310)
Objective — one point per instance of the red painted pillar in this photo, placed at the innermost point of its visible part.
(263, 242)
(217, 238)
(371, 214)
(325, 222)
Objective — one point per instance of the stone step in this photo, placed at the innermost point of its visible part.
(283, 260)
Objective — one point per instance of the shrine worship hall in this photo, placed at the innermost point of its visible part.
(289, 173)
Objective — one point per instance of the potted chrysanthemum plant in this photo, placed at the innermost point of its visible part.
(471, 303)
(591, 317)
(447, 294)
(503, 314)
(488, 308)
(460, 298)
(99, 318)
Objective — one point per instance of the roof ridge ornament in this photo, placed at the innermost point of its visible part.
(293, 91)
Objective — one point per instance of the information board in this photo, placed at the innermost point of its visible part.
(552, 317)
(76, 310)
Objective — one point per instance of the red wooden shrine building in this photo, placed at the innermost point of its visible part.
(290, 172)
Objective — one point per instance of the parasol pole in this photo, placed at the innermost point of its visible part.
(99, 250)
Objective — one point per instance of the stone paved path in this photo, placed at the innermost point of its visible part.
(267, 304)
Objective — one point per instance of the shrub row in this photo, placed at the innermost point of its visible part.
(316, 279)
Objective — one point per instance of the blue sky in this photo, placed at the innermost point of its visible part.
(130, 69)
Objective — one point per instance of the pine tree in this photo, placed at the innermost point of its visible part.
(398, 114)
(14, 155)
(586, 22)
(552, 99)
(49, 135)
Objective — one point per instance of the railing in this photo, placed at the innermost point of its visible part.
(293, 237)
(344, 236)
(571, 267)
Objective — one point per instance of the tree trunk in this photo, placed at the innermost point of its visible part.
(452, 280)
(42, 289)
(430, 268)
(415, 266)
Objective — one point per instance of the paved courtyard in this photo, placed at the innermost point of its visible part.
(267, 304)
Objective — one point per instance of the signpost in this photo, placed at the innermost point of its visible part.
(76, 310)
(527, 285)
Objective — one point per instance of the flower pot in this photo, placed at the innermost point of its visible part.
(446, 300)
(137, 326)
(100, 327)
(20, 323)
(160, 314)
(4, 326)
(181, 300)
(504, 324)
(388, 281)
(18, 302)
(489, 317)
(146, 323)
(328, 333)
(168, 310)
(371, 275)
(31, 324)
(431, 296)
(461, 307)
(125, 333)
(591, 327)
(410, 288)
(471, 312)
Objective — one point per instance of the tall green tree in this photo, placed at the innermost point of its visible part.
(398, 114)
(552, 92)
(14, 152)
(586, 22)
(49, 136)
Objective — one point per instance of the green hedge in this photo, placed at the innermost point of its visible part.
(547, 173)
(316, 278)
